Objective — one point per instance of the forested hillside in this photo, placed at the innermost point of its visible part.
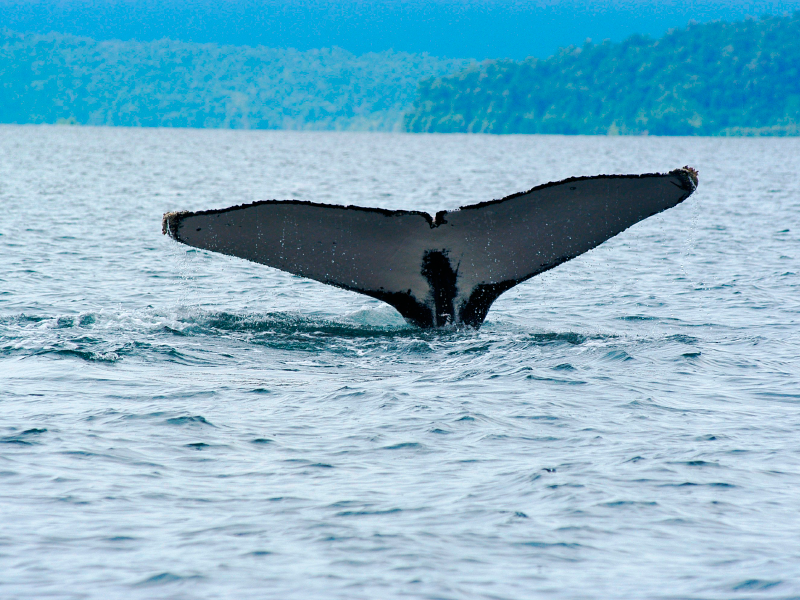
(719, 78)
(60, 78)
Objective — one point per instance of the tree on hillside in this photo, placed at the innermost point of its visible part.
(711, 79)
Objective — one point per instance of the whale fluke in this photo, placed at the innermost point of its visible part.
(440, 270)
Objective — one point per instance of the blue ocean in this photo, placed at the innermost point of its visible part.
(180, 424)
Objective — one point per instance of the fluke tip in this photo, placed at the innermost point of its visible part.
(169, 223)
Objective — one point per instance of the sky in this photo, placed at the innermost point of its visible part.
(459, 29)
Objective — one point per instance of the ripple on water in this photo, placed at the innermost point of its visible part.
(179, 424)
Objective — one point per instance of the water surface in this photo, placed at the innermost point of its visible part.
(177, 424)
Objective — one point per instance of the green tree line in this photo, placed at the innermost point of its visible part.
(719, 78)
(58, 78)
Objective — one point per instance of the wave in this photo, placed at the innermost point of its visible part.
(192, 335)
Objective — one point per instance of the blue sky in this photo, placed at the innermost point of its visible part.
(469, 29)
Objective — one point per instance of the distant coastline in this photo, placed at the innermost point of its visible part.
(718, 79)
(66, 79)
(714, 79)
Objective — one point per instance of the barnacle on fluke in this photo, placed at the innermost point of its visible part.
(441, 270)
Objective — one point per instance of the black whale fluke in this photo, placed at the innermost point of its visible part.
(435, 271)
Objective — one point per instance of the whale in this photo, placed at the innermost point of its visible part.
(441, 270)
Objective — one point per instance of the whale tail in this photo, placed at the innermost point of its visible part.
(440, 270)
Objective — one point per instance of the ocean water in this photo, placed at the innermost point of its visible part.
(177, 424)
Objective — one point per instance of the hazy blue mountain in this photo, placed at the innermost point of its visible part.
(456, 28)
(707, 79)
(62, 78)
